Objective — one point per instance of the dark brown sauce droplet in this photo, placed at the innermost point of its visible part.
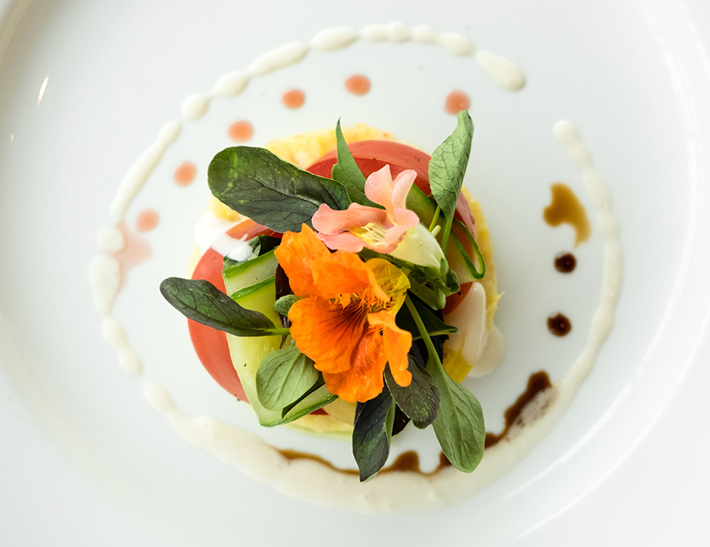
(565, 262)
(537, 383)
(558, 324)
(566, 208)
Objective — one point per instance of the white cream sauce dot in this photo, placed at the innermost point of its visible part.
(424, 34)
(374, 33)
(334, 39)
(398, 32)
(105, 279)
(196, 106)
(456, 44)
(232, 84)
(141, 170)
(111, 239)
(287, 55)
(504, 72)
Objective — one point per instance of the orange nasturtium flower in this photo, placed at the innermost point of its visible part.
(345, 320)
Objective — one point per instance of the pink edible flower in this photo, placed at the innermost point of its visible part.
(360, 226)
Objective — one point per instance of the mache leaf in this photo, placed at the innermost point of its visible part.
(315, 387)
(270, 191)
(347, 172)
(448, 165)
(283, 377)
(420, 399)
(459, 425)
(201, 301)
(283, 304)
(372, 434)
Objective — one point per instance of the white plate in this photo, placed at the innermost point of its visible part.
(86, 87)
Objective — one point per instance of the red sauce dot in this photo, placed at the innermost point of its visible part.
(294, 98)
(185, 173)
(456, 101)
(358, 84)
(147, 220)
(241, 131)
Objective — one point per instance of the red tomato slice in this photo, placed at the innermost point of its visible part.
(372, 156)
(211, 344)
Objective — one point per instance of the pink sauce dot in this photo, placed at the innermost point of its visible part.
(147, 220)
(136, 251)
(358, 84)
(294, 98)
(241, 131)
(456, 101)
(185, 173)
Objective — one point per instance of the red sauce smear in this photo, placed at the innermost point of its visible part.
(185, 173)
(456, 101)
(135, 251)
(147, 220)
(241, 131)
(358, 84)
(294, 98)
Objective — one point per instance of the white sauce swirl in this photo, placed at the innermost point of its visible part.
(307, 479)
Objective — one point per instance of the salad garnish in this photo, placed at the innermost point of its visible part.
(362, 271)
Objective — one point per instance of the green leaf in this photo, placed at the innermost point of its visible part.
(201, 301)
(315, 387)
(270, 191)
(241, 293)
(283, 304)
(372, 434)
(347, 172)
(283, 377)
(459, 425)
(448, 165)
(420, 399)
(433, 324)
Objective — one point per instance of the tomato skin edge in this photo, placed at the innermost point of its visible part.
(211, 344)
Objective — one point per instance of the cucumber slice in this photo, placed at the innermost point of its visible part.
(247, 353)
(246, 274)
(421, 204)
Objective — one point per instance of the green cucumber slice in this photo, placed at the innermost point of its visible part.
(247, 353)
(246, 274)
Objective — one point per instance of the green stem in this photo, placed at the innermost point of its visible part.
(424, 333)
(447, 231)
(435, 219)
(279, 331)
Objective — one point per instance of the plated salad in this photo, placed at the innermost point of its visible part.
(336, 297)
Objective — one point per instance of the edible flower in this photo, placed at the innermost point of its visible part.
(360, 226)
(345, 320)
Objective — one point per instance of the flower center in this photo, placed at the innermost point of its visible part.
(373, 233)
